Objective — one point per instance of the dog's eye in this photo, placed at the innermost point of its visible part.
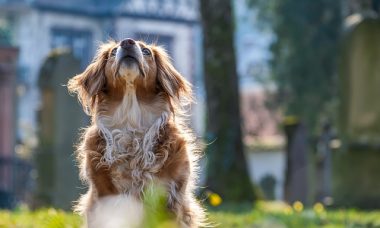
(113, 52)
(146, 51)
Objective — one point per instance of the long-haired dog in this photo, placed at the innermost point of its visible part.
(138, 135)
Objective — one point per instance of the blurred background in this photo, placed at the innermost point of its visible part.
(286, 94)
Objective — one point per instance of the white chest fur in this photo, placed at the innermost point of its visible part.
(131, 134)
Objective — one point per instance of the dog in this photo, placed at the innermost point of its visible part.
(138, 135)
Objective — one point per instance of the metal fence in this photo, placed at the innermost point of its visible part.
(15, 181)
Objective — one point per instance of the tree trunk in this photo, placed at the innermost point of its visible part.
(227, 170)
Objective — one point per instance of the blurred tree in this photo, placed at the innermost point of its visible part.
(227, 170)
(304, 64)
(304, 68)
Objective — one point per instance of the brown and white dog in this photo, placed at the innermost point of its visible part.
(138, 135)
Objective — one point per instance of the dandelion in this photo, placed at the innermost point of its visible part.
(298, 206)
(288, 210)
(214, 199)
(318, 208)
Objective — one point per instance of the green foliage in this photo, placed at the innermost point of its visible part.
(305, 50)
(156, 211)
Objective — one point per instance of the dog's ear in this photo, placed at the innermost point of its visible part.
(169, 79)
(88, 84)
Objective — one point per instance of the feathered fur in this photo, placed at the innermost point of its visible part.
(139, 132)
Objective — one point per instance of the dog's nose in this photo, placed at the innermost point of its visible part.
(127, 43)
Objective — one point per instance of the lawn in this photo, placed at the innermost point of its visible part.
(264, 214)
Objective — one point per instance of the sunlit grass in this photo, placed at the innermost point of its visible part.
(264, 214)
(277, 214)
(49, 218)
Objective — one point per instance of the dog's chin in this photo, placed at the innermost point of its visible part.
(129, 69)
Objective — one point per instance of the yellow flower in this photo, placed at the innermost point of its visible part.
(214, 199)
(298, 206)
(288, 210)
(318, 208)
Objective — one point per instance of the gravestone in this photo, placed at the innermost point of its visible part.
(296, 173)
(268, 185)
(60, 117)
(356, 169)
(323, 165)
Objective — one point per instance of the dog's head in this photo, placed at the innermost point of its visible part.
(130, 66)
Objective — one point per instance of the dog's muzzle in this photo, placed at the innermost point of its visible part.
(128, 50)
(129, 55)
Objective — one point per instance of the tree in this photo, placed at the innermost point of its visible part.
(227, 170)
(304, 64)
(304, 68)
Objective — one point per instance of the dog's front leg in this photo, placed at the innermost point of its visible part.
(178, 203)
(100, 175)
(181, 199)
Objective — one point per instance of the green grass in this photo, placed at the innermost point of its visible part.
(42, 218)
(274, 214)
(263, 215)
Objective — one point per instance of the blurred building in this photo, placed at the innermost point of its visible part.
(37, 27)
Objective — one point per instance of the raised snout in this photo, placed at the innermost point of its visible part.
(129, 58)
(128, 50)
(127, 43)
